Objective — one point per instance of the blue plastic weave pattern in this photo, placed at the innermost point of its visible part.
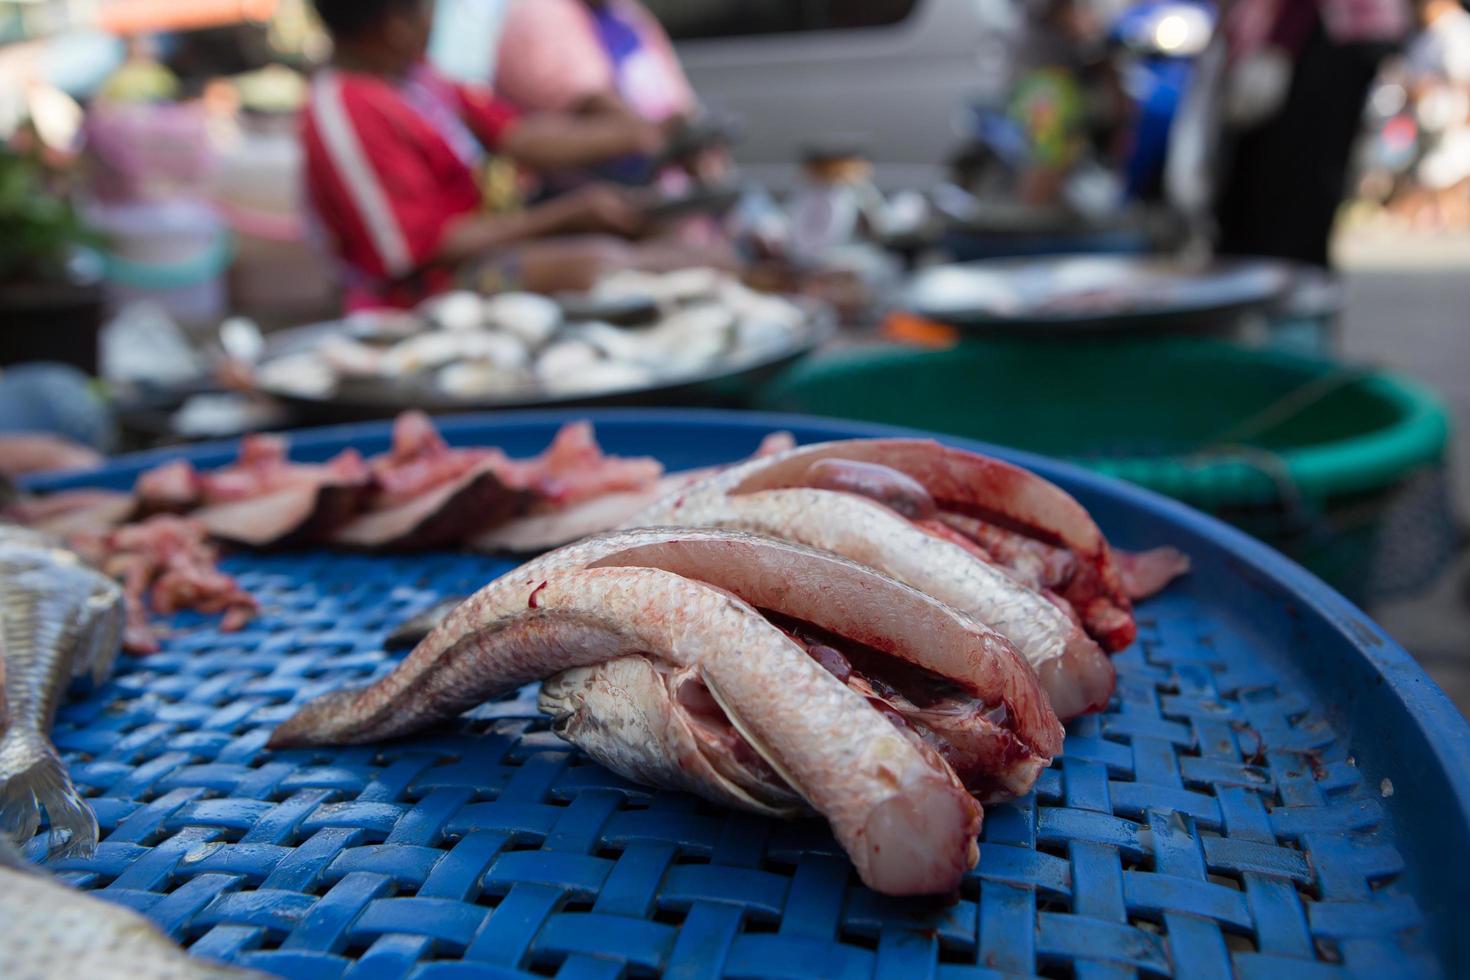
(1211, 823)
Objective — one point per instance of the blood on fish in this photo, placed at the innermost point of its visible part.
(888, 711)
(836, 664)
(702, 707)
(531, 602)
(944, 532)
(1001, 520)
(893, 489)
(888, 675)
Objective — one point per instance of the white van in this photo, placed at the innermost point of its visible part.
(892, 77)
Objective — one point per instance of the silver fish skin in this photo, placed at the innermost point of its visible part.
(49, 931)
(59, 619)
(759, 496)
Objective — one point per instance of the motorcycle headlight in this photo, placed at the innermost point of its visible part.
(1178, 30)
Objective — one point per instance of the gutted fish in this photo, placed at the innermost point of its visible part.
(658, 724)
(411, 632)
(59, 619)
(749, 669)
(51, 932)
(914, 509)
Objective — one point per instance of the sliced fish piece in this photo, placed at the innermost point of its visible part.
(688, 601)
(262, 499)
(444, 515)
(292, 515)
(59, 619)
(551, 527)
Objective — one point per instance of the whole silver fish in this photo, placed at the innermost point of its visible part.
(51, 932)
(59, 619)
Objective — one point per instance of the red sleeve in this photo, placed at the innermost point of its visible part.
(488, 115)
(370, 178)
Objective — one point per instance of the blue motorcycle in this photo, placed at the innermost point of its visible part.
(1158, 42)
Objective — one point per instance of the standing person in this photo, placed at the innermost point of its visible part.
(393, 160)
(1298, 75)
(1438, 74)
(607, 59)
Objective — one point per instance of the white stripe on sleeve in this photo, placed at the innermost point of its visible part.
(352, 165)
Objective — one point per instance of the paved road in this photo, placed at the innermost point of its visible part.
(1408, 307)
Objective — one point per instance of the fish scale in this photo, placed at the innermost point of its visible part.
(776, 495)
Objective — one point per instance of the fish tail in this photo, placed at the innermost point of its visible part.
(326, 720)
(35, 779)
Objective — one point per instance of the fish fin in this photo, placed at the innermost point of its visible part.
(36, 779)
(747, 733)
(101, 637)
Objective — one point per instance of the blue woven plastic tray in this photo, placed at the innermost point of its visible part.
(1277, 789)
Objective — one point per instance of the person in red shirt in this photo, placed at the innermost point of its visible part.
(394, 154)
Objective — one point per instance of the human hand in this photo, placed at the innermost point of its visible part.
(602, 208)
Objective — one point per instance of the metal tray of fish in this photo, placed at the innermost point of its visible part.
(1276, 789)
(726, 381)
(1093, 293)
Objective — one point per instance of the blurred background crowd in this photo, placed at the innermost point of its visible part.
(218, 216)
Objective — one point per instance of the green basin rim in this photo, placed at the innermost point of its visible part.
(1364, 462)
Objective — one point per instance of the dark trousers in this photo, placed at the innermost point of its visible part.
(1288, 175)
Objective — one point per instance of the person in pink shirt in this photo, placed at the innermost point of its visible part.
(591, 56)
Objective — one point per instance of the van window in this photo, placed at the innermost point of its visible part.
(693, 19)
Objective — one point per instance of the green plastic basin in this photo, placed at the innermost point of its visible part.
(1306, 453)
